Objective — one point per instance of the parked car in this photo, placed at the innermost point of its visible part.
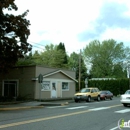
(125, 98)
(105, 94)
(87, 94)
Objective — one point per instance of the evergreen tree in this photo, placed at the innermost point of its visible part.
(62, 48)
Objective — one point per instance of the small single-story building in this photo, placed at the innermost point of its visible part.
(23, 81)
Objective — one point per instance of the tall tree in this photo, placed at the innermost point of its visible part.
(119, 72)
(14, 32)
(104, 57)
(36, 58)
(53, 57)
(74, 65)
(61, 47)
(73, 61)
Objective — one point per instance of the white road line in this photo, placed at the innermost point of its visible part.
(91, 102)
(98, 102)
(71, 108)
(123, 111)
(115, 128)
(100, 108)
(56, 106)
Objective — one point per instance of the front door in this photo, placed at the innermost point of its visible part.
(53, 90)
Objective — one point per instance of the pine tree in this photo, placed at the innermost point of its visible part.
(62, 47)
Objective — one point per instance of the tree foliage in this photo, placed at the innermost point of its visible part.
(61, 47)
(27, 60)
(14, 32)
(106, 58)
(74, 65)
(51, 57)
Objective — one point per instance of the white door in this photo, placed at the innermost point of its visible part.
(53, 90)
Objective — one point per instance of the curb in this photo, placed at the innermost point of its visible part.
(30, 107)
(19, 108)
(54, 104)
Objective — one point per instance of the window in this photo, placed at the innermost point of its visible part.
(65, 86)
(10, 88)
(45, 85)
(92, 90)
(84, 90)
(103, 92)
(127, 92)
(97, 90)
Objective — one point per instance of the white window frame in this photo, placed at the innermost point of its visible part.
(49, 86)
(67, 88)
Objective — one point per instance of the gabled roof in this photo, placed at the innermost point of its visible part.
(54, 72)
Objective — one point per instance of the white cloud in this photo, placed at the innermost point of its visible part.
(118, 34)
(62, 20)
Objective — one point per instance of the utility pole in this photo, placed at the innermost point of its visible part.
(129, 75)
(79, 68)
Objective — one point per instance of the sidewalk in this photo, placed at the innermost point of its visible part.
(32, 104)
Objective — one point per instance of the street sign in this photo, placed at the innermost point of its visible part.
(40, 78)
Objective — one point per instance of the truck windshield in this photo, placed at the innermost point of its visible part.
(85, 90)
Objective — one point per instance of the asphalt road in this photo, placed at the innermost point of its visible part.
(103, 115)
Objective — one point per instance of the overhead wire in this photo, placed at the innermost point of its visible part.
(36, 43)
(37, 46)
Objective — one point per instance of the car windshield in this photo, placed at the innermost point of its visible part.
(85, 90)
(127, 92)
(102, 92)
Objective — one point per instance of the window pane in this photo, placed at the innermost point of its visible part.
(65, 86)
(45, 85)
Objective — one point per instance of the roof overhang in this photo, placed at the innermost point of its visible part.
(52, 73)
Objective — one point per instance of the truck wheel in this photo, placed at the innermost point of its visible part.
(98, 98)
(89, 99)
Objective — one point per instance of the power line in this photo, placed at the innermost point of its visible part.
(37, 43)
(36, 46)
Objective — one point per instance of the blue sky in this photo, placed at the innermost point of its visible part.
(76, 22)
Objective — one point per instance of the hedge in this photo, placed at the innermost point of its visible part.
(116, 86)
